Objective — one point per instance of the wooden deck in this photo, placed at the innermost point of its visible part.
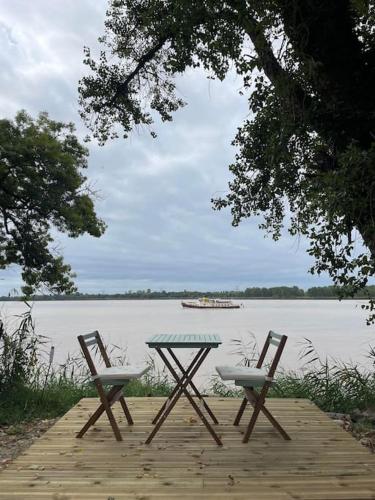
(321, 462)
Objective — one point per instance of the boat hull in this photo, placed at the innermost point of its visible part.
(216, 306)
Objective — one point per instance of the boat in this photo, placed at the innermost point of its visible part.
(206, 303)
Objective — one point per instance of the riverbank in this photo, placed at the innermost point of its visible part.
(35, 389)
(253, 293)
(15, 439)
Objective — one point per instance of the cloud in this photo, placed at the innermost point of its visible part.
(154, 194)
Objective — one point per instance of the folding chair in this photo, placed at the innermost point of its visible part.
(249, 378)
(115, 376)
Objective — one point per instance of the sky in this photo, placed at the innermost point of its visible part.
(154, 194)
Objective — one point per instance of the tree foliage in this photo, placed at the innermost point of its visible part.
(306, 156)
(41, 188)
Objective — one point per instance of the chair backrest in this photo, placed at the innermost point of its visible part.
(91, 339)
(277, 340)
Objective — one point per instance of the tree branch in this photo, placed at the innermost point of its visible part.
(293, 94)
(123, 88)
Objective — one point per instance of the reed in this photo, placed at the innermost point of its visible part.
(33, 386)
(333, 385)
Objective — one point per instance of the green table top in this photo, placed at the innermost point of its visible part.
(183, 341)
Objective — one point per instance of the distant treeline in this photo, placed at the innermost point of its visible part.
(276, 292)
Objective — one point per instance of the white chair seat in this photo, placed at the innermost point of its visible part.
(126, 372)
(243, 375)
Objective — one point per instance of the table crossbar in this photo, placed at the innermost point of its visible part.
(175, 389)
(192, 385)
(182, 383)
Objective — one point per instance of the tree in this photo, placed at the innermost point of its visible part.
(306, 156)
(41, 186)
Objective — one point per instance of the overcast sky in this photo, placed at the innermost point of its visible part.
(154, 194)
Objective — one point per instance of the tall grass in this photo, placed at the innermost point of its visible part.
(19, 347)
(333, 385)
(32, 386)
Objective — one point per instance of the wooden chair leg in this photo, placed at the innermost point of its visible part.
(252, 422)
(257, 401)
(126, 410)
(112, 421)
(253, 397)
(107, 407)
(275, 423)
(107, 400)
(97, 414)
(91, 421)
(240, 412)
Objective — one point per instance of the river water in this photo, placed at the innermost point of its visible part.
(337, 329)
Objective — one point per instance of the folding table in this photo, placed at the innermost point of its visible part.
(183, 381)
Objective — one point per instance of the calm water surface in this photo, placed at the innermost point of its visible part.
(337, 329)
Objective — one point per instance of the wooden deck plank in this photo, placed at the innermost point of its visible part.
(322, 461)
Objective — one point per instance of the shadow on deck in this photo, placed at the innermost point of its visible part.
(321, 462)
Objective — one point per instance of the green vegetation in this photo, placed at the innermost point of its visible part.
(42, 187)
(54, 397)
(276, 292)
(305, 153)
(32, 387)
(343, 390)
(22, 402)
(333, 386)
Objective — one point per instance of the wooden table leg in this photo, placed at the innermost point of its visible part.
(172, 394)
(182, 389)
(192, 385)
